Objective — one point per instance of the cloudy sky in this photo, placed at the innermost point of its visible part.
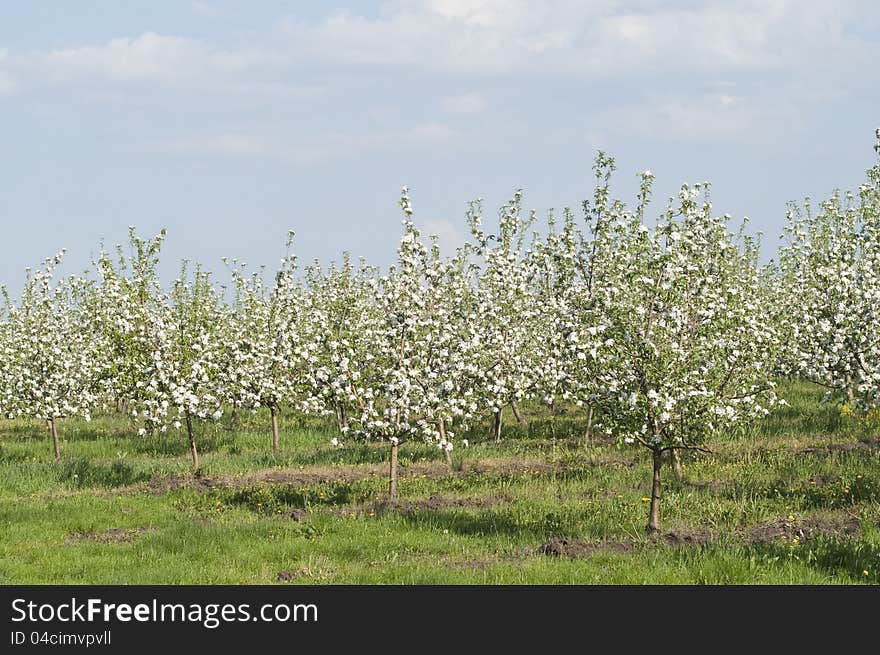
(231, 121)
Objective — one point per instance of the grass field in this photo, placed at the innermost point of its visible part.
(794, 500)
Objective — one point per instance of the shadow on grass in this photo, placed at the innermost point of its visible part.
(543, 427)
(15, 457)
(69, 429)
(81, 473)
(502, 520)
(814, 419)
(175, 443)
(271, 498)
(849, 558)
(818, 492)
(354, 453)
(23, 430)
(279, 499)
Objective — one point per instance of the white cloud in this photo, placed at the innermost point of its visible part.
(8, 84)
(205, 9)
(709, 116)
(218, 144)
(597, 139)
(431, 133)
(171, 61)
(449, 237)
(147, 57)
(503, 15)
(569, 37)
(462, 37)
(308, 150)
(466, 103)
(807, 46)
(471, 38)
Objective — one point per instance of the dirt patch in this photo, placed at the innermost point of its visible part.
(433, 503)
(288, 576)
(841, 525)
(297, 514)
(305, 572)
(822, 480)
(159, 484)
(305, 477)
(712, 486)
(843, 446)
(474, 564)
(807, 528)
(617, 463)
(430, 470)
(111, 536)
(687, 537)
(508, 467)
(438, 503)
(576, 548)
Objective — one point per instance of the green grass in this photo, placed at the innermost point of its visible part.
(795, 499)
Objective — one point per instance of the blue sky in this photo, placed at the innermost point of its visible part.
(230, 122)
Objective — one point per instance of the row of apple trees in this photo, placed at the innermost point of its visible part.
(662, 331)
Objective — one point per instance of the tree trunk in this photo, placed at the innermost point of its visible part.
(53, 432)
(588, 433)
(446, 452)
(392, 476)
(233, 418)
(192, 445)
(342, 416)
(274, 411)
(496, 425)
(654, 519)
(519, 417)
(676, 465)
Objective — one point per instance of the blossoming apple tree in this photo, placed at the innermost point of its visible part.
(262, 350)
(341, 325)
(425, 347)
(689, 343)
(508, 313)
(831, 275)
(50, 358)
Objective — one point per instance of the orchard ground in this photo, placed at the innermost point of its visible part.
(794, 499)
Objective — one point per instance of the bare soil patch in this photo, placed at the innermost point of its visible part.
(297, 514)
(577, 548)
(431, 470)
(160, 484)
(435, 503)
(111, 536)
(809, 527)
(840, 525)
(843, 446)
(687, 537)
(712, 486)
(438, 503)
(822, 480)
(306, 572)
(304, 477)
(474, 564)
